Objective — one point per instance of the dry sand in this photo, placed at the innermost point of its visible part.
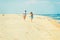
(13, 27)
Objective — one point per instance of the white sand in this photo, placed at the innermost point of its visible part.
(13, 27)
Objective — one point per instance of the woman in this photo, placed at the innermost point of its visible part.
(31, 16)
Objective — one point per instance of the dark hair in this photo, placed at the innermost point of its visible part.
(31, 13)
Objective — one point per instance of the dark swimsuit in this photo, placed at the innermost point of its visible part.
(31, 16)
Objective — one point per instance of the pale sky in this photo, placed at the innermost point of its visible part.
(36, 6)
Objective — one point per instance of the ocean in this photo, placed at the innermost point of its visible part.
(54, 16)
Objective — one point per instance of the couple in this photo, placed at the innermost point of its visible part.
(31, 15)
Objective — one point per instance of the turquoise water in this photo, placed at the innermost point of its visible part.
(54, 16)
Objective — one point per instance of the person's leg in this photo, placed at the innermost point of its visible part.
(31, 19)
(24, 17)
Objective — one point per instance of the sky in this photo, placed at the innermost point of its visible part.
(35, 6)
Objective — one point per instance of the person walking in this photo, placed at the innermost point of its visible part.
(31, 16)
(24, 16)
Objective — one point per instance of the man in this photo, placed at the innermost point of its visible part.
(24, 16)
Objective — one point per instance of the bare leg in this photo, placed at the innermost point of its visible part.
(31, 20)
(24, 17)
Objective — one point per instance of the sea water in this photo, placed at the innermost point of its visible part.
(54, 16)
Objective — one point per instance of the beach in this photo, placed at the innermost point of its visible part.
(14, 27)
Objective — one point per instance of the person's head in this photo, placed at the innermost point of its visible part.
(31, 13)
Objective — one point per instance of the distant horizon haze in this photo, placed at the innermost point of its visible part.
(35, 6)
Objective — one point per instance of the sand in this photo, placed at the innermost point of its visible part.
(13, 27)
